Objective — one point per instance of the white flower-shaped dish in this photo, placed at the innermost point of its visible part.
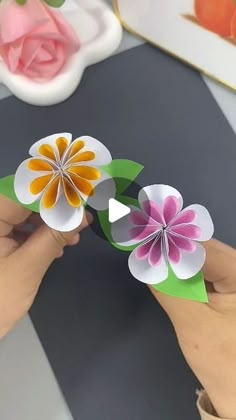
(100, 34)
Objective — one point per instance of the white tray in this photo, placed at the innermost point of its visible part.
(100, 34)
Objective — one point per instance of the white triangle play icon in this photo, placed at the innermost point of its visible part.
(117, 210)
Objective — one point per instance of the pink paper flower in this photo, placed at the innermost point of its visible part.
(164, 234)
(35, 40)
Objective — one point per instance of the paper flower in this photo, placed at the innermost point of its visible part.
(35, 40)
(164, 234)
(63, 176)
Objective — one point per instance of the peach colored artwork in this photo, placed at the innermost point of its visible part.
(201, 33)
(218, 17)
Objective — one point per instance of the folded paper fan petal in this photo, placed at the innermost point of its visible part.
(203, 220)
(171, 207)
(23, 178)
(102, 154)
(62, 216)
(190, 263)
(104, 189)
(120, 230)
(158, 193)
(144, 272)
(50, 141)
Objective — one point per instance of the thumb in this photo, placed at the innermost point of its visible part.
(45, 245)
(220, 266)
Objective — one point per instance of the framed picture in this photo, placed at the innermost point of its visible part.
(201, 33)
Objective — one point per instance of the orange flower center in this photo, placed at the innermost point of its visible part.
(65, 169)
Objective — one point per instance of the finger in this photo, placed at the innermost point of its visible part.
(11, 214)
(220, 266)
(7, 246)
(35, 220)
(35, 256)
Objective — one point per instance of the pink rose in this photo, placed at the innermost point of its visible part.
(35, 40)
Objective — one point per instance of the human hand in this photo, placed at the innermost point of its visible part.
(207, 332)
(25, 258)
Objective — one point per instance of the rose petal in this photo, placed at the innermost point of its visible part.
(17, 21)
(47, 70)
(67, 31)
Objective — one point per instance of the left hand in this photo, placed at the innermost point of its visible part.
(25, 258)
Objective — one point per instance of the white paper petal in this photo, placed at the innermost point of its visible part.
(203, 221)
(105, 188)
(62, 216)
(51, 140)
(158, 193)
(120, 230)
(145, 273)
(23, 179)
(190, 263)
(103, 156)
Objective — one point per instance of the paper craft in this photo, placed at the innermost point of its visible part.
(201, 33)
(164, 236)
(64, 176)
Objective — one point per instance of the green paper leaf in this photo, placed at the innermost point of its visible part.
(106, 225)
(7, 189)
(191, 289)
(124, 172)
(55, 3)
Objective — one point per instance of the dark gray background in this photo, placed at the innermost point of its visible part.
(112, 348)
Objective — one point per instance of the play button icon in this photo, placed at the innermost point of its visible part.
(117, 210)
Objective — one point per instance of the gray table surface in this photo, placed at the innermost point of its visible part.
(28, 389)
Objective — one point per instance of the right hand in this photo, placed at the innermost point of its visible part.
(207, 332)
